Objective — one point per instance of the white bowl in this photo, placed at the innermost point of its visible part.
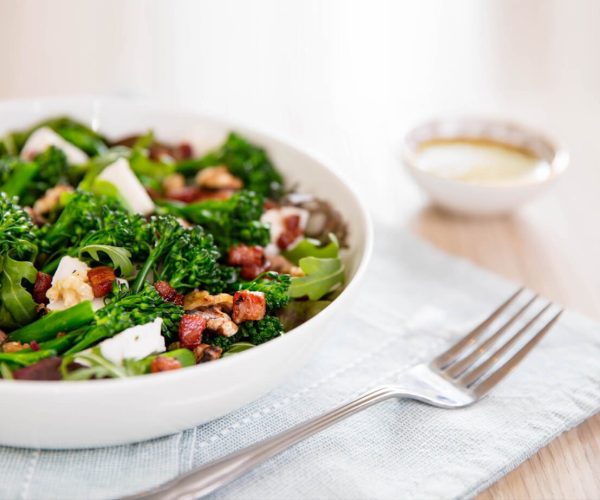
(482, 199)
(109, 412)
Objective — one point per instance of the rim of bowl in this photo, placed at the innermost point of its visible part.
(559, 162)
(365, 223)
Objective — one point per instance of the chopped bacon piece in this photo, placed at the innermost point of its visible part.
(186, 194)
(251, 272)
(3, 337)
(191, 327)
(292, 230)
(242, 255)
(168, 293)
(42, 284)
(183, 151)
(46, 369)
(34, 346)
(248, 306)
(251, 260)
(205, 352)
(164, 363)
(101, 279)
(270, 204)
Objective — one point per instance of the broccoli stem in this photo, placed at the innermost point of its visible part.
(90, 338)
(55, 322)
(26, 358)
(61, 344)
(138, 284)
(20, 178)
(155, 256)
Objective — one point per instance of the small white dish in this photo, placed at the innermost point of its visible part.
(116, 411)
(485, 198)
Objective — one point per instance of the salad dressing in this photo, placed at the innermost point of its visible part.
(481, 162)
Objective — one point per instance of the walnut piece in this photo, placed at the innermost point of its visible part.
(70, 291)
(173, 183)
(204, 353)
(218, 178)
(50, 199)
(201, 299)
(219, 322)
(14, 346)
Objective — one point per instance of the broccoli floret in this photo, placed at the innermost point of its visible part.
(18, 233)
(186, 258)
(16, 175)
(52, 170)
(89, 219)
(126, 309)
(273, 285)
(244, 160)
(259, 332)
(220, 341)
(253, 332)
(232, 221)
(191, 262)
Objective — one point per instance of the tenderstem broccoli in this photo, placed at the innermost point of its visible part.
(275, 287)
(184, 257)
(86, 328)
(232, 221)
(89, 219)
(18, 247)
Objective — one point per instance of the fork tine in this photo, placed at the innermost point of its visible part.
(446, 358)
(458, 368)
(484, 387)
(471, 377)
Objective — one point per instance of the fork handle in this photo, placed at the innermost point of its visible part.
(206, 479)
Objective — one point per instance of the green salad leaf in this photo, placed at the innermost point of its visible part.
(313, 248)
(321, 276)
(238, 347)
(17, 307)
(322, 266)
(100, 367)
(119, 256)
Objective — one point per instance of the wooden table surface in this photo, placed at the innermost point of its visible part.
(569, 466)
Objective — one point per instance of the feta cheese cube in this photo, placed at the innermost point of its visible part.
(130, 188)
(136, 342)
(44, 137)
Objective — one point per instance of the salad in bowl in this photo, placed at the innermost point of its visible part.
(132, 255)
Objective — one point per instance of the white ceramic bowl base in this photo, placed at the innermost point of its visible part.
(108, 412)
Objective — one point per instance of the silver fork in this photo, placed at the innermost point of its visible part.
(458, 377)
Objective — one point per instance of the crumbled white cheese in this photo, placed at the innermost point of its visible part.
(136, 342)
(275, 218)
(44, 137)
(130, 188)
(70, 284)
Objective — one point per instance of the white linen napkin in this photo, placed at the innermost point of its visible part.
(415, 302)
